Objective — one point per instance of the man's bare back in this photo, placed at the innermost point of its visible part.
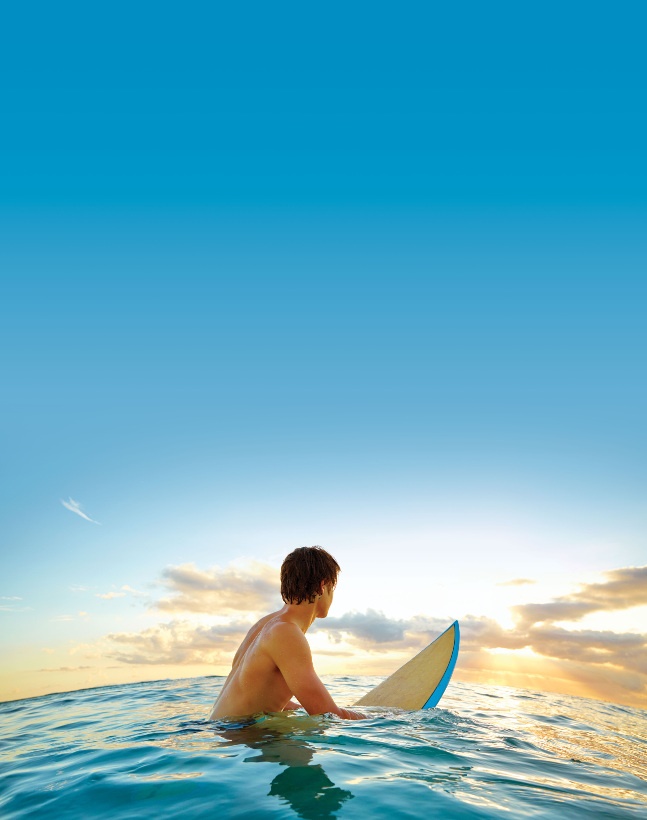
(274, 664)
(255, 683)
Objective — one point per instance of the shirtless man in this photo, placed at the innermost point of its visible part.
(274, 662)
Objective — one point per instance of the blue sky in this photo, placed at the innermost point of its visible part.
(369, 279)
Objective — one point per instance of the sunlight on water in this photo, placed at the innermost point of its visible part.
(146, 750)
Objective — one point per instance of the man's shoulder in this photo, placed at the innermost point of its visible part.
(280, 628)
(283, 633)
(261, 626)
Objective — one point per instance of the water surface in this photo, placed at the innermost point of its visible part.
(146, 750)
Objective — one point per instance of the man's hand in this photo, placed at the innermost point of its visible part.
(351, 714)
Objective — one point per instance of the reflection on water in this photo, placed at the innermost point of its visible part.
(302, 784)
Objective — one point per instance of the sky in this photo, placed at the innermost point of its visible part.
(369, 278)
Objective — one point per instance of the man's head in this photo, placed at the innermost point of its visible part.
(304, 572)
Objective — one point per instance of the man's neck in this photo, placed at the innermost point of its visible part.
(303, 615)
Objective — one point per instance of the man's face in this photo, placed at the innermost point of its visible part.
(324, 603)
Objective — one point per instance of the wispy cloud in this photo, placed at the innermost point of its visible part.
(75, 507)
(11, 606)
(516, 582)
(127, 588)
(124, 590)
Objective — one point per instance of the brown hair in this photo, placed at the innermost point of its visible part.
(304, 571)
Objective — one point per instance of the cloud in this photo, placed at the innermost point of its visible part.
(627, 650)
(11, 607)
(107, 596)
(516, 582)
(605, 664)
(625, 588)
(527, 670)
(537, 652)
(371, 627)
(252, 588)
(178, 642)
(373, 631)
(480, 632)
(65, 669)
(75, 507)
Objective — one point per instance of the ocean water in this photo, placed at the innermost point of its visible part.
(146, 751)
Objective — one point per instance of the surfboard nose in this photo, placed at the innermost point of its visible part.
(421, 682)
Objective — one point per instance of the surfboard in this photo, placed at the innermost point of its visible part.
(421, 682)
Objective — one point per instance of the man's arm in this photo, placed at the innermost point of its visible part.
(291, 653)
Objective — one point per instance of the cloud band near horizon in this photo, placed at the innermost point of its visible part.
(614, 659)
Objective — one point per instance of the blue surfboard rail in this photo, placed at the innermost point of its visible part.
(438, 692)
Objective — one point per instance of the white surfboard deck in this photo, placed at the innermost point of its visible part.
(421, 682)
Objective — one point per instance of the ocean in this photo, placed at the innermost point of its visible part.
(146, 750)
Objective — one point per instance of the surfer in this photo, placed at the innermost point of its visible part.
(274, 662)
